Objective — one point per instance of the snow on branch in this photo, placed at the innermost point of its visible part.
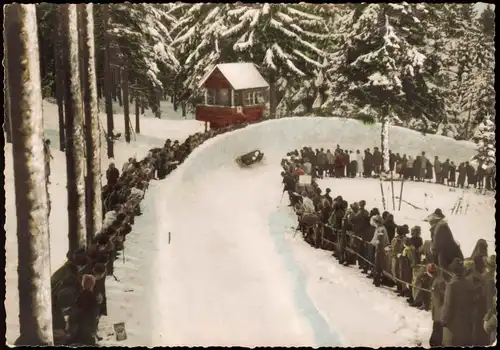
(303, 14)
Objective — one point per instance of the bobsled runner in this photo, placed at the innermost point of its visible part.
(250, 158)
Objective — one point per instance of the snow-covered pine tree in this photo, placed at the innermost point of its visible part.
(197, 46)
(383, 69)
(284, 40)
(471, 68)
(485, 140)
(25, 93)
(141, 33)
(74, 133)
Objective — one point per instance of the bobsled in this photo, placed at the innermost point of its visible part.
(250, 158)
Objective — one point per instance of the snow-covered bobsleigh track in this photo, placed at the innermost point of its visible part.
(233, 275)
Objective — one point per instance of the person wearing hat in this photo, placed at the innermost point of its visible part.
(361, 230)
(390, 225)
(327, 196)
(84, 318)
(416, 238)
(444, 245)
(438, 287)
(397, 250)
(99, 272)
(458, 307)
(408, 262)
(423, 281)
(112, 175)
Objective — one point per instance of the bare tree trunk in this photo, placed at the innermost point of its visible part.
(126, 105)
(93, 183)
(272, 97)
(157, 101)
(175, 103)
(137, 116)
(468, 119)
(99, 88)
(59, 68)
(119, 81)
(74, 121)
(107, 83)
(114, 97)
(35, 305)
(183, 106)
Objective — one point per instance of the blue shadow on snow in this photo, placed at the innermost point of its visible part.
(323, 335)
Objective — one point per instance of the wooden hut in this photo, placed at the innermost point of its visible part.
(234, 93)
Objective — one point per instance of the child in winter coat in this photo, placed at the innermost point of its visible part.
(397, 250)
(408, 264)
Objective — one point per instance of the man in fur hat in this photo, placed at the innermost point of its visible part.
(444, 245)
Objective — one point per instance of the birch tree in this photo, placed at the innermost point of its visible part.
(25, 95)
(74, 121)
(92, 133)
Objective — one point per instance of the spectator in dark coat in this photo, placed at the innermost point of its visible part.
(112, 175)
(461, 175)
(85, 314)
(458, 308)
(438, 170)
(390, 225)
(444, 245)
(452, 178)
(392, 161)
(471, 175)
(445, 171)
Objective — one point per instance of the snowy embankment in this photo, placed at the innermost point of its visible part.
(227, 279)
(154, 132)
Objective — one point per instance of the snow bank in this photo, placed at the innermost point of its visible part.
(276, 137)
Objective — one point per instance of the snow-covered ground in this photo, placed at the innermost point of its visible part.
(228, 269)
(154, 132)
(214, 260)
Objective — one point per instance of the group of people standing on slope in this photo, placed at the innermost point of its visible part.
(345, 163)
(433, 275)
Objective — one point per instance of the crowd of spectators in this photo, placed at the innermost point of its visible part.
(79, 286)
(347, 163)
(433, 275)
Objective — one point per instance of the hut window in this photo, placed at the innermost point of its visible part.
(248, 98)
(237, 98)
(224, 97)
(210, 97)
(259, 97)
